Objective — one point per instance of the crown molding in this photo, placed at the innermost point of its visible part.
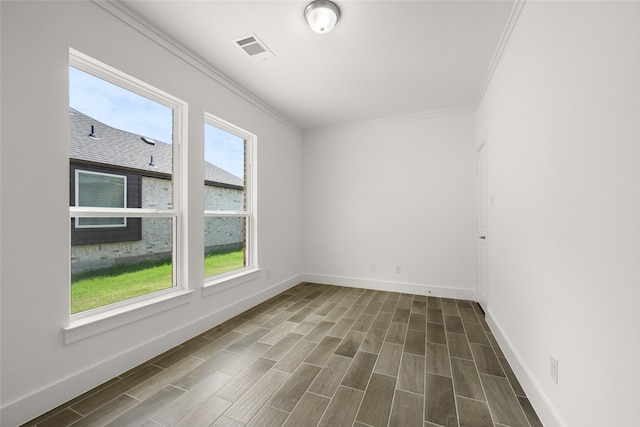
(155, 34)
(502, 45)
(404, 118)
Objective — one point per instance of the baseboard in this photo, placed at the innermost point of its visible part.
(22, 410)
(391, 286)
(539, 400)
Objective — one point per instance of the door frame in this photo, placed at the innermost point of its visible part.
(481, 236)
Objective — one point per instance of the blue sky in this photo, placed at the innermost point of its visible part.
(125, 110)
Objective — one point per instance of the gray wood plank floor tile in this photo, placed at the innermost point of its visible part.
(253, 400)
(64, 417)
(434, 315)
(440, 404)
(226, 422)
(419, 307)
(486, 360)
(453, 324)
(466, 379)
(468, 315)
(438, 359)
(187, 349)
(105, 414)
(323, 351)
(405, 301)
(517, 388)
(164, 378)
(294, 388)
(308, 411)
(359, 371)
(206, 413)
(473, 413)
(401, 315)
(350, 344)
(417, 322)
(376, 404)
(411, 375)
(282, 347)
(436, 333)
(382, 320)
(502, 401)
(407, 410)
(459, 346)
(235, 388)
(293, 358)
(363, 322)
(434, 302)
(173, 413)
(329, 378)
(529, 412)
(279, 332)
(319, 331)
(211, 366)
(373, 340)
(415, 342)
(341, 328)
(389, 358)
(320, 355)
(449, 307)
(268, 417)
(476, 334)
(106, 395)
(396, 333)
(343, 408)
(147, 408)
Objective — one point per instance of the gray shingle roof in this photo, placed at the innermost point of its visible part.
(125, 149)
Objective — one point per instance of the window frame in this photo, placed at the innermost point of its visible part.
(219, 282)
(179, 271)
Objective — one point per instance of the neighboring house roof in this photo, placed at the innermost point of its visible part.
(116, 147)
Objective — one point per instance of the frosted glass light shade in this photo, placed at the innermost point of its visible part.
(322, 16)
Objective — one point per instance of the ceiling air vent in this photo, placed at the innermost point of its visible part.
(254, 47)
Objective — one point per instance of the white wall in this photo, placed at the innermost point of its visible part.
(40, 371)
(562, 115)
(393, 192)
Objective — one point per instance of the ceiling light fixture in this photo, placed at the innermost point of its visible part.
(322, 15)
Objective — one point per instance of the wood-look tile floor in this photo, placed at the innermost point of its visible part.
(319, 355)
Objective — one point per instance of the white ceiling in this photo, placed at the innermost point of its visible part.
(383, 58)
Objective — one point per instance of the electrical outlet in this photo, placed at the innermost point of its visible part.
(553, 369)
(398, 268)
(372, 267)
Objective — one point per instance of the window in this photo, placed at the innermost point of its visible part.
(125, 188)
(93, 231)
(95, 189)
(228, 198)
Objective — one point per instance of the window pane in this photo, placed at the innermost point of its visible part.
(109, 273)
(101, 222)
(100, 190)
(224, 170)
(119, 130)
(225, 245)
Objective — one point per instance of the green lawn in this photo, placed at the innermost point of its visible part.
(223, 262)
(114, 284)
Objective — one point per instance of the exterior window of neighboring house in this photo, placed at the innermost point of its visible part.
(95, 189)
(125, 189)
(230, 238)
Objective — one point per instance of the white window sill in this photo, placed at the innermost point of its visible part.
(229, 281)
(88, 326)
